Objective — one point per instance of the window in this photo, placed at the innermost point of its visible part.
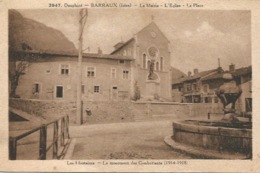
(113, 73)
(36, 88)
(64, 69)
(144, 60)
(124, 53)
(148, 64)
(59, 91)
(83, 89)
(96, 89)
(205, 88)
(125, 74)
(188, 87)
(161, 63)
(121, 61)
(157, 66)
(91, 72)
(194, 87)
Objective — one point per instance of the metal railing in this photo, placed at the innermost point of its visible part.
(43, 148)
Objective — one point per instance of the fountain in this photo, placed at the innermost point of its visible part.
(227, 138)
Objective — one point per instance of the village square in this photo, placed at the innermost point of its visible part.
(85, 87)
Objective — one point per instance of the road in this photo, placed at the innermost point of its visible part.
(133, 140)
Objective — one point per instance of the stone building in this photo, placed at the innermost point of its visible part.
(51, 72)
(149, 49)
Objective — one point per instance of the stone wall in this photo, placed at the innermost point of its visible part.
(178, 110)
(114, 111)
(44, 108)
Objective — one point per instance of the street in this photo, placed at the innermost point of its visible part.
(133, 140)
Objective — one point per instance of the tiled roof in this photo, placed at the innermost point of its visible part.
(237, 72)
(117, 49)
(75, 54)
(200, 75)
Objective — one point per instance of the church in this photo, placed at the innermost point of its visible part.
(138, 69)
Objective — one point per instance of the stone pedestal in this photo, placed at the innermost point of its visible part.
(152, 90)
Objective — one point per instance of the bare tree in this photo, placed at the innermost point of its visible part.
(20, 65)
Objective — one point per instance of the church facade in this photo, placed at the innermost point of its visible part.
(142, 64)
(151, 66)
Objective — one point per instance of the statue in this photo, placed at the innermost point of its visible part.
(228, 93)
(152, 75)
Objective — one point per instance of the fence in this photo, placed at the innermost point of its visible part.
(43, 148)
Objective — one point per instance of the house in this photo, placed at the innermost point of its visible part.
(192, 88)
(52, 64)
(201, 87)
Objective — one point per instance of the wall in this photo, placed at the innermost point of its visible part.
(178, 110)
(101, 111)
(48, 81)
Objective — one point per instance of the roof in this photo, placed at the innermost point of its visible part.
(237, 72)
(131, 39)
(28, 34)
(84, 55)
(123, 44)
(200, 75)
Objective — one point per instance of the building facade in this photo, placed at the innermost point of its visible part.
(201, 87)
(149, 47)
(52, 73)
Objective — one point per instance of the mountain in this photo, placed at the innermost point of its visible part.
(177, 74)
(28, 34)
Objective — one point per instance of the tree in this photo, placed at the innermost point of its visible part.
(20, 65)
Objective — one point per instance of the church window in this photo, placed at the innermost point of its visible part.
(157, 66)
(148, 63)
(161, 63)
(125, 74)
(91, 72)
(144, 60)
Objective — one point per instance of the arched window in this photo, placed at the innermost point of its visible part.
(157, 66)
(144, 60)
(148, 64)
(161, 63)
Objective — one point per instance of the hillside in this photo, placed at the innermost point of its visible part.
(176, 74)
(28, 34)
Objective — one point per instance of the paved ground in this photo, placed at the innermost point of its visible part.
(134, 140)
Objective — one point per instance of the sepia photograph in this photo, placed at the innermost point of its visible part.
(145, 85)
(99, 86)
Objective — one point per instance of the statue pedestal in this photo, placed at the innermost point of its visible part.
(152, 90)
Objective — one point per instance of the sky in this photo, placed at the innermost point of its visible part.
(197, 37)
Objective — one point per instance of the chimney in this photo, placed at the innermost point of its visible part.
(189, 74)
(232, 67)
(196, 71)
(99, 51)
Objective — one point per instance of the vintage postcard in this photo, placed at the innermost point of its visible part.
(130, 86)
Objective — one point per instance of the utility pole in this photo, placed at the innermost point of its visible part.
(82, 21)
